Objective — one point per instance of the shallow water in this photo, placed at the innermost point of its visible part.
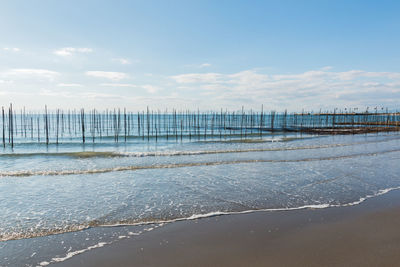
(56, 199)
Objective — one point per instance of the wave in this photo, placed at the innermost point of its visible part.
(160, 222)
(82, 154)
(254, 140)
(110, 139)
(26, 173)
(112, 154)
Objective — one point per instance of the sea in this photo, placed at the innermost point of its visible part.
(64, 197)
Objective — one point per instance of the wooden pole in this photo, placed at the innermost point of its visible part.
(4, 127)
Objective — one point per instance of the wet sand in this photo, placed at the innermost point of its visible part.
(363, 235)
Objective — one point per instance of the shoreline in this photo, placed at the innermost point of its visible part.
(360, 235)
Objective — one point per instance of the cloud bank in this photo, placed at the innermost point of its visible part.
(311, 89)
(110, 75)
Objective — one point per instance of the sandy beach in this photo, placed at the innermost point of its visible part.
(362, 235)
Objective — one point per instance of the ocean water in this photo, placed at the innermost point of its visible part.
(59, 200)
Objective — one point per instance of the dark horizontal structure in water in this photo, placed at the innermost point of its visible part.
(121, 125)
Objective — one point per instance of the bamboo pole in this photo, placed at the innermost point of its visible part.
(4, 127)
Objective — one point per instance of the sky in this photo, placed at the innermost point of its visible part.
(202, 54)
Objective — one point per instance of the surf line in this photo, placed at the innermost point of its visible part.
(179, 165)
(110, 154)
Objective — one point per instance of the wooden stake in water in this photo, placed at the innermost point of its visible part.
(125, 125)
(241, 124)
(261, 119)
(11, 125)
(58, 121)
(31, 128)
(272, 120)
(46, 125)
(148, 123)
(4, 127)
(38, 129)
(83, 124)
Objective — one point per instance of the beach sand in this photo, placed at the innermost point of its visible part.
(362, 235)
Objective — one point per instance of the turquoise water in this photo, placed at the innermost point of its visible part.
(50, 193)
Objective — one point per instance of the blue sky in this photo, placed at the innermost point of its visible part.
(200, 54)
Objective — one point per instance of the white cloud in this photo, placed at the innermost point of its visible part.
(68, 51)
(123, 61)
(327, 68)
(119, 85)
(6, 82)
(110, 75)
(12, 49)
(151, 88)
(78, 95)
(204, 65)
(199, 66)
(198, 78)
(310, 89)
(97, 95)
(38, 73)
(47, 92)
(69, 85)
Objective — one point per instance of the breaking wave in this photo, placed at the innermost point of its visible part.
(25, 173)
(111, 154)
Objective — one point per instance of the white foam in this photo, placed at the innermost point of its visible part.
(379, 193)
(132, 233)
(219, 213)
(74, 253)
(211, 214)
